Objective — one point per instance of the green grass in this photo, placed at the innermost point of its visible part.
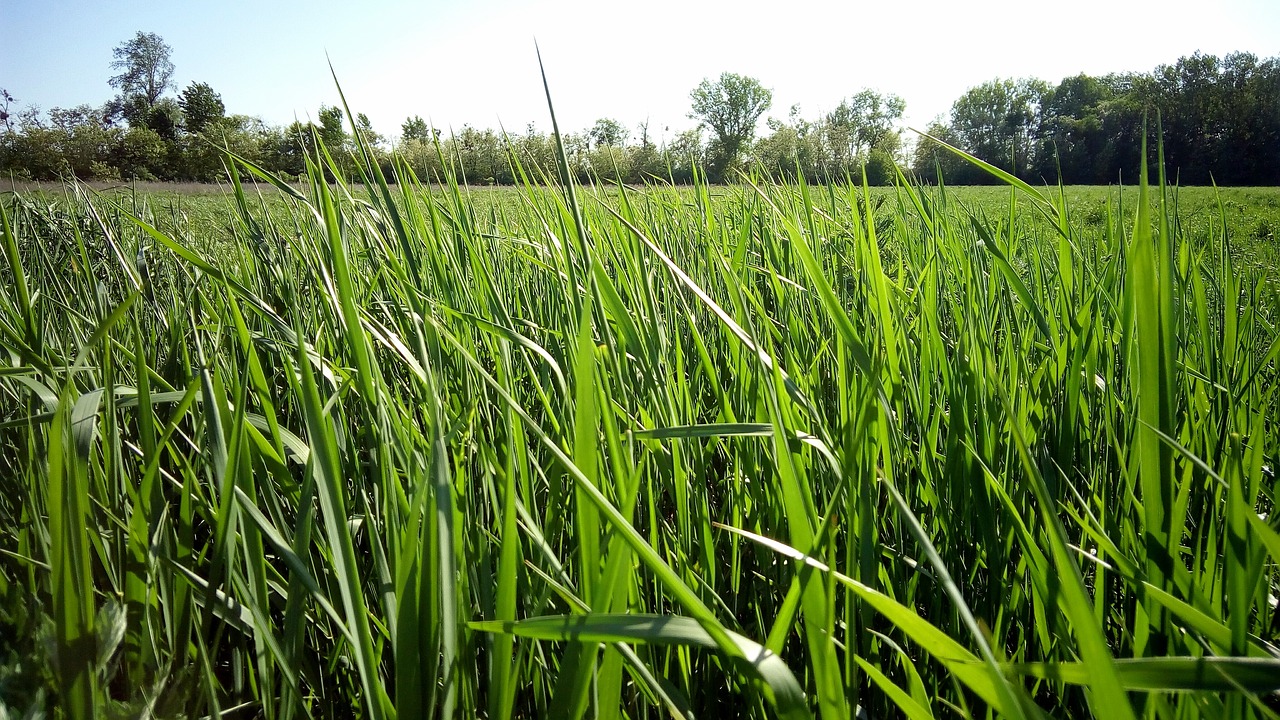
(767, 449)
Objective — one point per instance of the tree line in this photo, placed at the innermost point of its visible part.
(1219, 119)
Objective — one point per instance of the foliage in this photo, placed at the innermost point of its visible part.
(730, 106)
(862, 122)
(146, 70)
(1220, 120)
(415, 128)
(200, 106)
(859, 136)
(166, 119)
(365, 126)
(331, 130)
(139, 154)
(608, 132)
(997, 121)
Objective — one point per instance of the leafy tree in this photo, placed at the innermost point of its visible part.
(608, 132)
(1219, 117)
(731, 106)
(535, 150)
(286, 149)
(1251, 127)
(145, 69)
(683, 154)
(200, 106)
(165, 117)
(996, 121)
(932, 161)
(70, 118)
(139, 153)
(1070, 128)
(792, 147)
(863, 122)
(482, 157)
(365, 126)
(415, 128)
(331, 132)
(202, 161)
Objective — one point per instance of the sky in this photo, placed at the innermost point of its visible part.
(457, 63)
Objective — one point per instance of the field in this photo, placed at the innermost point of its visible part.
(751, 451)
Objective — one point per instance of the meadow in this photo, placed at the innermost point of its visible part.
(757, 450)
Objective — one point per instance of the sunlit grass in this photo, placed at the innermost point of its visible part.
(386, 451)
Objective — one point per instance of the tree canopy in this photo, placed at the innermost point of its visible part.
(415, 128)
(1219, 119)
(200, 106)
(608, 132)
(731, 106)
(146, 69)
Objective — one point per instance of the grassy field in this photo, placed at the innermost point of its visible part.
(750, 451)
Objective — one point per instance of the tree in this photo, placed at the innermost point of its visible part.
(5, 101)
(415, 128)
(731, 106)
(137, 153)
(365, 125)
(1073, 144)
(863, 122)
(932, 162)
(608, 132)
(67, 119)
(996, 121)
(331, 132)
(203, 161)
(683, 154)
(200, 106)
(145, 69)
(165, 117)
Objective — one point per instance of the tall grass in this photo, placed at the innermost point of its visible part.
(615, 452)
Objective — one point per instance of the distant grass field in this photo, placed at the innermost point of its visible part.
(749, 451)
(1251, 216)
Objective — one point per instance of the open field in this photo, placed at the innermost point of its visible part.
(749, 451)
(1252, 215)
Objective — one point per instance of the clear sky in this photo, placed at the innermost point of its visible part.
(474, 62)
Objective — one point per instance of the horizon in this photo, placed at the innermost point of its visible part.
(455, 66)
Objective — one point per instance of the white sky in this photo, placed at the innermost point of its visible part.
(475, 62)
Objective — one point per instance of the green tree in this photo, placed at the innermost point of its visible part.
(731, 106)
(331, 131)
(1251, 121)
(365, 126)
(415, 128)
(792, 147)
(202, 161)
(138, 153)
(286, 149)
(608, 132)
(146, 71)
(165, 118)
(200, 106)
(932, 162)
(996, 121)
(67, 119)
(863, 122)
(683, 154)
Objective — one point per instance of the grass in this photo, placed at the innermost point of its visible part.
(770, 449)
